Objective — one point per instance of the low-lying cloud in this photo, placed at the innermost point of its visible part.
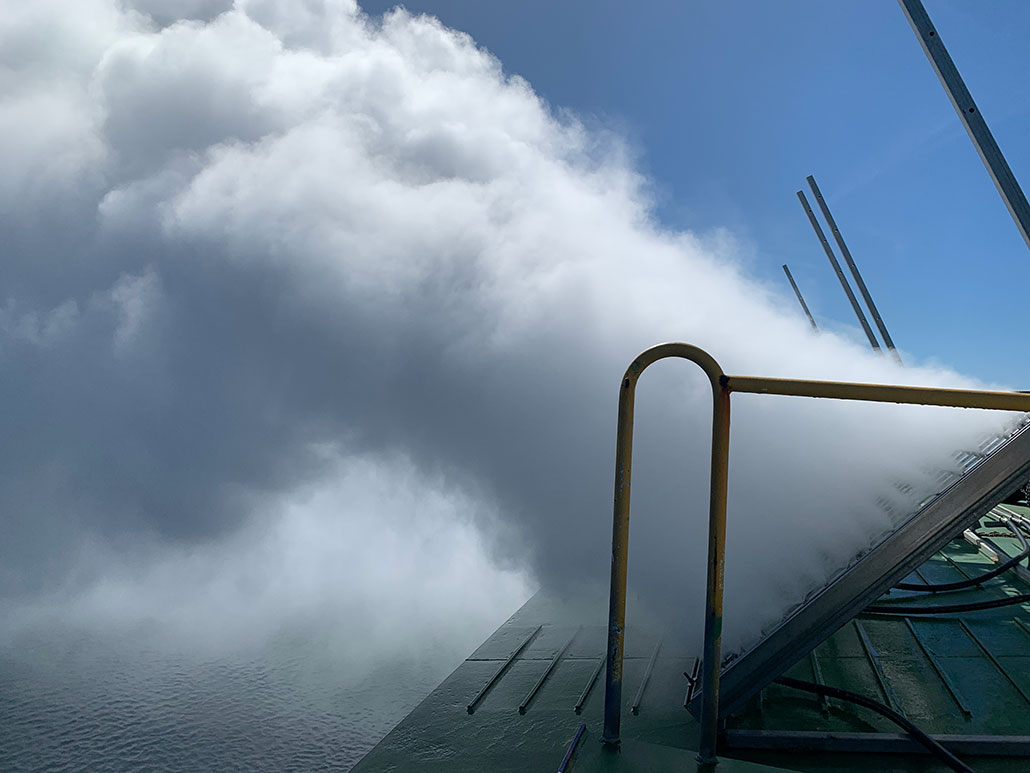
(238, 235)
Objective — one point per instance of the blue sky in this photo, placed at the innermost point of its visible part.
(731, 104)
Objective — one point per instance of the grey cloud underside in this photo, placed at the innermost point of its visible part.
(247, 236)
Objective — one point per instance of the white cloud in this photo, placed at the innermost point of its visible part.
(366, 234)
(135, 298)
(372, 546)
(38, 328)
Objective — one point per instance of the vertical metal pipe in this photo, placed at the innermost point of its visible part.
(712, 653)
(801, 300)
(837, 270)
(967, 110)
(620, 548)
(866, 295)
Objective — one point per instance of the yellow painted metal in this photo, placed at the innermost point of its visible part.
(620, 531)
(712, 652)
(881, 393)
(722, 386)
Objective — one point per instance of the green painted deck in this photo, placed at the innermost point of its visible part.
(970, 678)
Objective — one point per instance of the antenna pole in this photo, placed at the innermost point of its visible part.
(866, 295)
(840, 274)
(801, 300)
(967, 110)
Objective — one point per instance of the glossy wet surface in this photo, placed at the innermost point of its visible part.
(85, 703)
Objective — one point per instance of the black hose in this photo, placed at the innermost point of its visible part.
(913, 730)
(904, 609)
(1024, 552)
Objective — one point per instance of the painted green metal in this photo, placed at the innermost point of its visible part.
(874, 663)
(1022, 625)
(940, 670)
(817, 677)
(635, 708)
(955, 566)
(990, 656)
(440, 736)
(547, 672)
(471, 707)
(864, 743)
(590, 685)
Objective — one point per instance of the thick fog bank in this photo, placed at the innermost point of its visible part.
(308, 315)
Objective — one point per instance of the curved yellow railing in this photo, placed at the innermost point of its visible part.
(722, 386)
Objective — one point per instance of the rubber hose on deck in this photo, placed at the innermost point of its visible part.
(911, 728)
(1024, 552)
(903, 609)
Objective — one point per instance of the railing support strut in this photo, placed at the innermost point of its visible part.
(722, 386)
(716, 543)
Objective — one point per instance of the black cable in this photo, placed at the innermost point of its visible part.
(913, 730)
(904, 609)
(1024, 552)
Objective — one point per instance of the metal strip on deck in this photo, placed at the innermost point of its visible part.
(991, 657)
(547, 672)
(589, 685)
(471, 707)
(817, 677)
(874, 662)
(647, 677)
(938, 667)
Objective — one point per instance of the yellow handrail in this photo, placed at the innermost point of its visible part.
(722, 386)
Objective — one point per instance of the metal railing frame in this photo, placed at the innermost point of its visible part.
(722, 386)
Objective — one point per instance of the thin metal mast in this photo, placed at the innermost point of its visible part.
(967, 110)
(801, 299)
(840, 274)
(866, 295)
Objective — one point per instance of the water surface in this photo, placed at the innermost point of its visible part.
(76, 703)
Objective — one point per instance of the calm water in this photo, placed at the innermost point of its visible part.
(88, 704)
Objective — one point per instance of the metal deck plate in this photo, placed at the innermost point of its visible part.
(973, 708)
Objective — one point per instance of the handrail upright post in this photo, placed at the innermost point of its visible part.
(620, 546)
(712, 659)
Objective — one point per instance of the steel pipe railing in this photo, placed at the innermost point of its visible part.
(722, 386)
